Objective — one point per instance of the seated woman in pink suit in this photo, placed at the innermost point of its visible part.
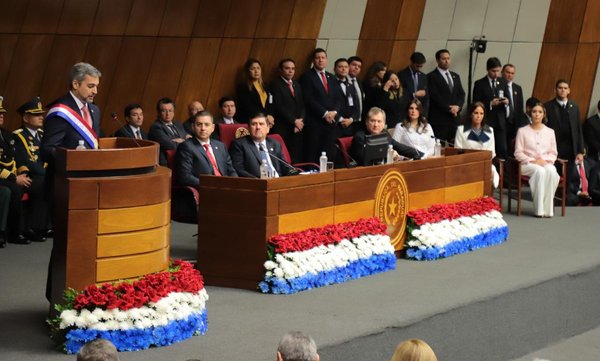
(535, 149)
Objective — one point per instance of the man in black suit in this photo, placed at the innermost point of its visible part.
(446, 96)
(288, 108)
(165, 130)
(579, 190)
(134, 117)
(414, 81)
(322, 99)
(491, 90)
(249, 152)
(349, 108)
(591, 133)
(202, 155)
(563, 117)
(515, 103)
(227, 116)
(193, 108)
(355, 66)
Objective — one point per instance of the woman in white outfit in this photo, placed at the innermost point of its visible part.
(475, 134)
(414, 130)
(535, 149)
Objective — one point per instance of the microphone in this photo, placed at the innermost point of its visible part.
(292, 170)
(116, 119)
(353, 163)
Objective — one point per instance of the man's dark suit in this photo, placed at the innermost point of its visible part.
(286, 109)
(361, 96)
(360, 139)
(574, 182)
(248, 102)
(442, 121)
(408, 86)
(161, 133)
(320, 135)
(191, 160)
(126, 132)
(8, 179)
(517, 108)
(349, 108)
(553, 113)
(591, 133)
(495, 117)
(246, 158)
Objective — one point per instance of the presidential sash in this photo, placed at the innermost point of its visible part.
(76, 121)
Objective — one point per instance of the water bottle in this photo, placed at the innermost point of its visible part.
(264, 170)
(80, 146)
(390, 154)
(323, 163)
(437, 149)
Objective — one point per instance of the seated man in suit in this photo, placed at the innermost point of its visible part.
(202, 155)
(248, 153)
(376, 125)
(228, 109)
(579, 183)
(166, 131)
(134, 116)
(194, 108)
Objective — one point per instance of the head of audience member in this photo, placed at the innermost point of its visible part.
(166, 110)
(530, 103)
(476, 116)
(414, 113)
(508, 72)
(493, 67)
(562, 89)
(2, 111)
(287, 68)
(203, 126)
(98, 350)
(413, 350)
(296, 346)
(341, 68)
(319, 59)
(375, 121)
(253, 71)
(258, 127)
(227, 106)
(417, 60)
(355, 65)
(376, 73)
(391, 77)
(134, 115)
(32, 114)
(195, 107)
(84, 80)
(537, 113)
(442, 57)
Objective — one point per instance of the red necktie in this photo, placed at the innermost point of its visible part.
(86, 115)
(291, 87)
(324, 79)
(584, 182)
(213, 162)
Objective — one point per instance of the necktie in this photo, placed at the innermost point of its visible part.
(173, 129)
(511, 106)
(86, 115)
(584, 182)
(449, 80)
(213, 162)
(263, 156)
(416, 80)
(291, 87)
(138, 135)
(324, 80)
(37, 136)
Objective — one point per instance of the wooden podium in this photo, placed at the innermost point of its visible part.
(111, 214)
(236, 216)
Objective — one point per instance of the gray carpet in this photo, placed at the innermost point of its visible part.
(499, 303)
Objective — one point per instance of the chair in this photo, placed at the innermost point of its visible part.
(229, 132)
(184, 199)
(500, 164)
(286, 155)
(344, 144)
(523, 180)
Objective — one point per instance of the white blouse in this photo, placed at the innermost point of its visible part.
(423, 139)
(461, 141)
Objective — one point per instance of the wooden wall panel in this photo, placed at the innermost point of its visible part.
(12, 15)
(211, 18)
(179, 18)
(274, 20)
(299, 50)
(401, 51)
(196, 79)
(165, 74)
(409, 23)
(42, 16)
(564, 21)
(145, 17)
(77, 17)
(243, 18)
(549, 71)
(9, 43)
(269, 52)
(590, 31)
(306, 19)
(112, 17)
(103, 53)
(381, 19)
(584, 71)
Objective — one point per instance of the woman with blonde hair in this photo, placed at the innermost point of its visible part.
(413, 350)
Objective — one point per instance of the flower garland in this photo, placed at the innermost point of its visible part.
(157, 310)
(447, 229)
(318, 257)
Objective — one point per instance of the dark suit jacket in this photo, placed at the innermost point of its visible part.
(591, 133)
(349, 105)
(246, 159)
(553, 114)
(441, 98)
(59, 133)
(286, 108)
(408, 85)
(316, 100)
(160, 133)
(518, 106)
(191, 160)
(574, 181)
(248, 103)
(358, 147)
(483, 92)
(28, 153)
(126, 132)
(7, 155)
(362, 96)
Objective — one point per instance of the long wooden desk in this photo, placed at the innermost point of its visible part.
(237, 215)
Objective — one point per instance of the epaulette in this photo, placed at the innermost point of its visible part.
(18, 131)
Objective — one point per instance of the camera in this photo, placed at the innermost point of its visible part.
(479, 44)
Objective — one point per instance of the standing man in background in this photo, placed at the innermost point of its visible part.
(414, 81)
(134, 117)
(355, 66)
(515, 102)
(165, 130)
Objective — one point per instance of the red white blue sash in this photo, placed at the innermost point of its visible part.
(74, 118)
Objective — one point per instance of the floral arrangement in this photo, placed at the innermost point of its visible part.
(322, 256)
(157, 310)
(444, 230)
